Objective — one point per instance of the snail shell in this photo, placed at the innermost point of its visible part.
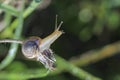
(30, 47)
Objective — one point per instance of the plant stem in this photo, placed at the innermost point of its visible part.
(96, 55)
(13, 48)
(28, 74)
(9, 9)
(26, 13)
(64, 65)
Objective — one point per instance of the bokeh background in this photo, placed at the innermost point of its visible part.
(90, 26)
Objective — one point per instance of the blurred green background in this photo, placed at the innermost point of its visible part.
(89, 25)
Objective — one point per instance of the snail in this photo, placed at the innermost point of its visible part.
(38, 48)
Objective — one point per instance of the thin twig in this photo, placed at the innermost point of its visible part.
(11, 41)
